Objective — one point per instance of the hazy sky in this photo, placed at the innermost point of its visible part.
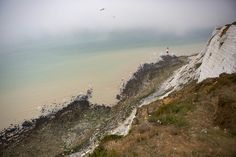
(25, 20)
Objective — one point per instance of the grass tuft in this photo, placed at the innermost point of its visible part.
(111, 137)
(100, 151)
(171, 114)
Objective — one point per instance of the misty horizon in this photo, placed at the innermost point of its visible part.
(29, 21)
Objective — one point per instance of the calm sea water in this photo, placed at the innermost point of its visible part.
(33, 76)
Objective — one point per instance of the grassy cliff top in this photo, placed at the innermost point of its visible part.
(199, 120)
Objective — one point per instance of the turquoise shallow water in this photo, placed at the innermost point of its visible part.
(33, 76)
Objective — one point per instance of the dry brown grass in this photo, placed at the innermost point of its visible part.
(203, 136)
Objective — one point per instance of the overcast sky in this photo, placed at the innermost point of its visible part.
(34, 19)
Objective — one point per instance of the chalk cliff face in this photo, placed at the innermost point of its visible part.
(219, 56)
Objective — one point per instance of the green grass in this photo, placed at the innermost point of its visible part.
(102, 152)
(171, 114)
(173, 119)
(167, 119)
(111, 137)
(174, 108)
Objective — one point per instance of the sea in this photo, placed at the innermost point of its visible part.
(36, 75)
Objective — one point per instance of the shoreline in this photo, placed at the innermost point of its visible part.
(31, 109)
(16, 134)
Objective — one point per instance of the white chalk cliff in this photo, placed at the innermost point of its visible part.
(218, 56)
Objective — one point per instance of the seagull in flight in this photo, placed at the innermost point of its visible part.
(102, 9)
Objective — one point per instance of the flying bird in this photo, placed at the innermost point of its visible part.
(102, 9)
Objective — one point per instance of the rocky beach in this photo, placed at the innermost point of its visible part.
(81, 119)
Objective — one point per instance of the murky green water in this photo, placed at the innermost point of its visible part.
(32, 76)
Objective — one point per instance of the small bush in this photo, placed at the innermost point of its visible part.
(102, 152)
(173, 109)
(99, 152)
(171, 114)
(172, 119)
(111, 137)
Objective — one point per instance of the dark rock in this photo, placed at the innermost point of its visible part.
(27, 124)
(81, 97)
(118, 97)
(145, 73)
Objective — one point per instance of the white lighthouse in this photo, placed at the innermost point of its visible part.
(167, 50)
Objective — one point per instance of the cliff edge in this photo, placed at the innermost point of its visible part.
(192, 113)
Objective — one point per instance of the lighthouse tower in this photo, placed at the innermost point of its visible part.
(167, 50)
